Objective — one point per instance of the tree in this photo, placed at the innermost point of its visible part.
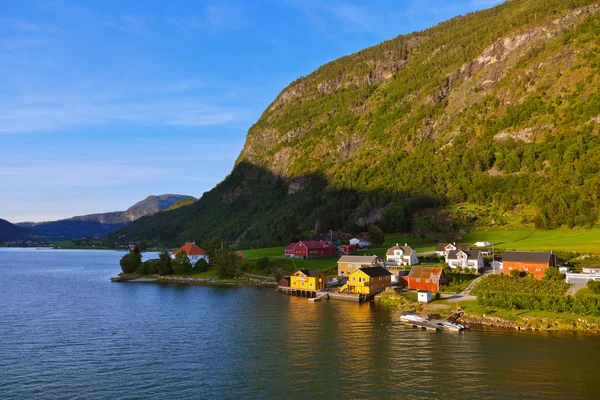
(212, 245)
(553, 274)
(164, 266)
(131, 262)
(181, 263)
(515, 273)
(226, 261)
(376, 234)
(594, 286)
(201, 265)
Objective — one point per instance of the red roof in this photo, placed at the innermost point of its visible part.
(291, 246)
(316, 244)
(191, 249)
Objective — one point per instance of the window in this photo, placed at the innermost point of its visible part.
(310, 284)
(510, 268)
(426, 280)
(302, 283)
(538, 269)
(418, 280)
(353, 278)
(526, 269)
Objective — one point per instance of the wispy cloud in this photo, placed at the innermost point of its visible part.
(47, 112)
(133, 24)
(213, 18)
(19, 25)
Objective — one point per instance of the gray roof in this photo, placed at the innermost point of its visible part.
(471, 254)
(407, 250)
(527, 256)
(358, 259)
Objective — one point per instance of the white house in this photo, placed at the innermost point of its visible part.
(465, 259)
(402, 255)
(194, 252)
(594, 269)
(443, 249)
(360, 242)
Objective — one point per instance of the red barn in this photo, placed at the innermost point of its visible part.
(313, 249)
(530, 262)
(347, 249)
(289, 251)
(425, 278)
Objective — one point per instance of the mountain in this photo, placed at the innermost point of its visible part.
(105, 223)
(10, 231)
(496, 113)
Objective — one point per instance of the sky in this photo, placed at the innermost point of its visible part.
(105, 102)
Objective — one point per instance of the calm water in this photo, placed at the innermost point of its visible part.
(67, 332)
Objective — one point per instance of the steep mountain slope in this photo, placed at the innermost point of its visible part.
(104, 223)
(10, 231)
(499, 108)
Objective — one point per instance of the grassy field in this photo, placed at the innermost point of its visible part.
(585, 241)
(260, 253)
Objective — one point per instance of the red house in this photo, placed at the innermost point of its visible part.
(424, 278)
(347, 249)
(530, 262)
(306, 249)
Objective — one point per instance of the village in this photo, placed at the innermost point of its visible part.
(361, 276)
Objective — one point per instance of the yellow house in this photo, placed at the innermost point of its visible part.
(308, 279)
(368, 281)
(349, 264)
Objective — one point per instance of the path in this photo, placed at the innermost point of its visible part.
(576, 288)
(257, 276)
(465, 295)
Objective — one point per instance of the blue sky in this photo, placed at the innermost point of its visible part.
(106, 102)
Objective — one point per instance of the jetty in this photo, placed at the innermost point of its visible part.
(429, 326)
(417, 321)
(320, 296)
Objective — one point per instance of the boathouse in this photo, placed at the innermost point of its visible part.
(426, 278)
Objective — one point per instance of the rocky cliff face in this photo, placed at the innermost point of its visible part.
(498, 108)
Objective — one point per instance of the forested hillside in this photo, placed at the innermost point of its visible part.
(499, 108)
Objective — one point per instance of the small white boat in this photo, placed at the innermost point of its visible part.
(413, 318)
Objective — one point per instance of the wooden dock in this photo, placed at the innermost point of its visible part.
(423, 325)
(320, 296)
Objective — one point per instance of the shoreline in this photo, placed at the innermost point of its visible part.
(182, 280)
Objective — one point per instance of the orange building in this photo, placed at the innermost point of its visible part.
(529, 262)
(425, 278)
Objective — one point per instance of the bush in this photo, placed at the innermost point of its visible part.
(181, 263)
(201, 265)
(553, 274)
(515, 273)
(594, 286)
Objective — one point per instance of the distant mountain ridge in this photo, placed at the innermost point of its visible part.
(101, 224)
(10, 231)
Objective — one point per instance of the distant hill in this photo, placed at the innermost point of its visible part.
(102, 224)
(10, 231)
(497, 111)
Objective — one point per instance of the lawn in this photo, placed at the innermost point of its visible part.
(583, 241)
(260, 253)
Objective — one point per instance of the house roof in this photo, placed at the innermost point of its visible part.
(358, 259)
(315, 273)
(375, 271)
(527, 256)
(471, 254)
(407, 250)
(316, 244)
(291, 246)
(426, 272)
(460, 246)
(191, 249)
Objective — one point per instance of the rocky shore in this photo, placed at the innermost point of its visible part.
(532, 324)
(191, 280)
